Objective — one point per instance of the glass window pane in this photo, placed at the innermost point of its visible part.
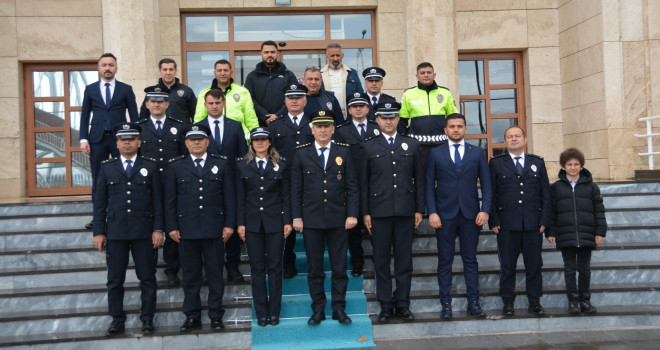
(48, 114)
(48, 84)
(499, 151)
(481, 143)
(200, 68)
(207, 29)
(358, 59)
(244, 65)
(81, 175)
(50, 175)
(502, 72)
(475, 115)
(350, 26)
(78, 80)
(499, 126)
(503, 101)
(298, 63)
(280, 27)
(471, 77)
(49, 144)
(74, 125)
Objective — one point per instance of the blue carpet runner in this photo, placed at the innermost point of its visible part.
(293, 332)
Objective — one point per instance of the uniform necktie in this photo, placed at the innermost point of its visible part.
(322, 156)
(108, 99)
(295, 121)
(261, 167)
(363, 132)
(457, 155)
(217, 134)
(199, 166)
(518, 165)
(159, 128)
(129, 168)
(374, 100)
(391, 139)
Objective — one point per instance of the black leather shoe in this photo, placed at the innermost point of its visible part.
(190, 325)
(341, 316)
(536, 308)
(262, 321)
(89, 225)
(357, 271)
(274, 320)
(115, 328)
(446, 311)
(405, 314)
(235, 276)
(290, 271)
(385, 314)
(148, 327)
(507, 310)
(172, 278)
(475, 309)
(587, 308)
(217, 324)
(316, 318)
(573, 307)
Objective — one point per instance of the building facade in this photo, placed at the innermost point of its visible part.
(573, 73)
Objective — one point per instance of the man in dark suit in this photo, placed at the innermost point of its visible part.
(325, 197)
(521, 212)
(128, 211)
(353, 133)
(109, 100)
(162, 140)
(452, 202)
(226, 139)
(200, 214)
(288, 132)
(392, 203)
(373, 80)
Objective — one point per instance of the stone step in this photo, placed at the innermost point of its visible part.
(629, 187)
(429, 323)
(41, 223)
(45, 240)
(554, 296)
(45, 208)
(637, 200)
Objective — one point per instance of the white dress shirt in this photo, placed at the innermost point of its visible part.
(461, 149)
(220, 125)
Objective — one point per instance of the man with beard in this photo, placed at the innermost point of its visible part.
(182, 100)
(338, 77)
(266, 83)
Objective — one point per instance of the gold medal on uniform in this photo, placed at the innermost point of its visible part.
(173, 131)
(338, 160)
(214, 170)
(533, 167)
(144, 172)
(339, 174)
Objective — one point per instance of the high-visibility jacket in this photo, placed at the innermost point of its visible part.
(426, 108)
(238, 106)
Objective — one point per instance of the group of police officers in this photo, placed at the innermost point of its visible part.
(196, 188)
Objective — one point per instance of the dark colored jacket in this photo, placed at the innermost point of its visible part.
(577, 215)
(383, 98)
(128, 208)
(325, 100)
(348, 134)
(165, 147)
(182, 103)
(286, 136)
(266, 86)
(233, 140)
(263, 199)
(123, 99)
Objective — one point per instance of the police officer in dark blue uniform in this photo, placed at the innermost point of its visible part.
(357, 129)
(392, 203)
(161, 140)
(288, 132)
(128, 210)
(264, 221)
(200, 215)
(373, 81)
(325, 202)
(521, 212)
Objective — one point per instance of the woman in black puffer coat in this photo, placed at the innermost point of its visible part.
(578, 226)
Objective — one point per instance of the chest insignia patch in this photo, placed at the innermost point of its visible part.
(214, 170)
(404, 146)
(276, 167)
(329, 105)
(376, 132)
(440, 98)
(144, 172)
(533, 167)
(173, 131)
(339, 160)
(237, 97)
(179, 92)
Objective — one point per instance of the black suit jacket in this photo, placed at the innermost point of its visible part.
(162, 148)
(123, 99)
(234, 144)
(128, 208)
(391, 180)
(263, 198)
(348, 134)
(200, 206)
(286, 136)
(520, 202)
(324, 198)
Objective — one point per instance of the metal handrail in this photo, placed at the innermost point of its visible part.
(649, 138)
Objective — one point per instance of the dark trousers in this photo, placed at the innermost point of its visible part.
(289, 255)
(143, 253)
(195, 254)
(387, 234)
(509, 246)
(468, 238)
(265, 250)
(233, 252)
(171, 255)
(355, 244)
(577, 260)
(315, 240)
(99, 152)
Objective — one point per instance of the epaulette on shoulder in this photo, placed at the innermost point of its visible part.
(342, 144)
(176, 120)
(535, 156)
(149, 159)
(406, 136)
(220, 156)
(305, 145)
(176, 158)
(113, 159)
(142, 120)
(498, 156)
(346, 123)
(372, 137)
(238, 159)
(282, 158)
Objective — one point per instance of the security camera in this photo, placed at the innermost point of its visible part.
(281, 44)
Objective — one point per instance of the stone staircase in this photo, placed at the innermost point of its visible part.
(52, 283)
